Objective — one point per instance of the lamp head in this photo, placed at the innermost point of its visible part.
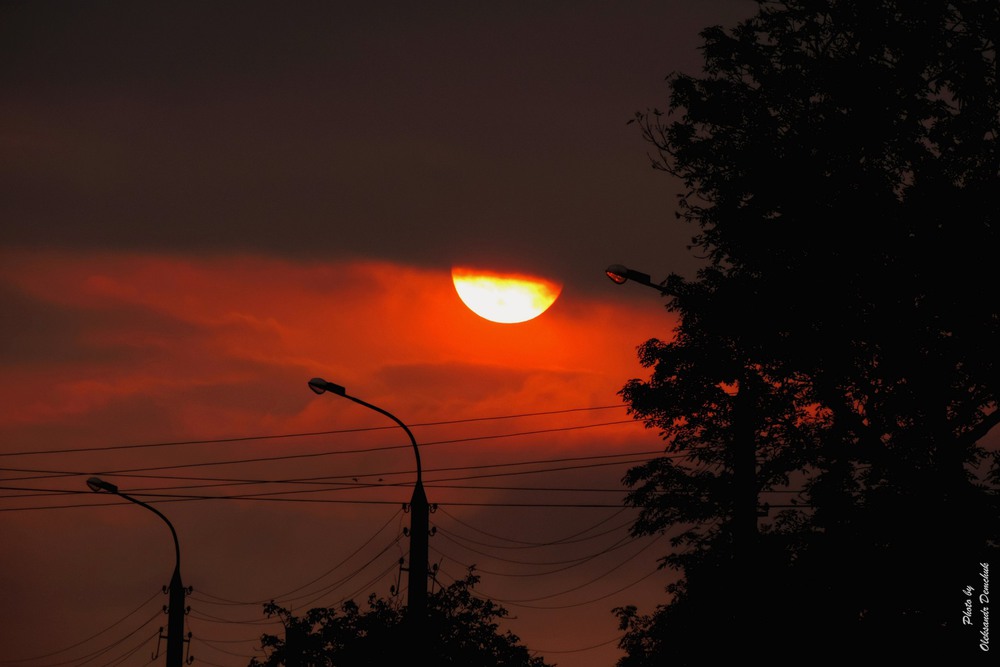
(97, 485)
(617, 273)
(320, 386)
(622, 274)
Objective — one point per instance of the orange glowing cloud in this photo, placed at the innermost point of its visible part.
(218, 346)
(123, 349)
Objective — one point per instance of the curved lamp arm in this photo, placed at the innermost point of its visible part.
(97, 484)
(320, 386)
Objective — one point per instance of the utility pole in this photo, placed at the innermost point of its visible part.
(417, 573)
(744, 470)
(175, 602)
(175, 620)
(416, 597)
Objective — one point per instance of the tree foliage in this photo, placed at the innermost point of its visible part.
(460, 629)
(840, 160)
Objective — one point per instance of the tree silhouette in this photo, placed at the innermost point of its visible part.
(460, 629)
(838, 351)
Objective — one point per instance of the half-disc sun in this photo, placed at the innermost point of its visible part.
(504, 298)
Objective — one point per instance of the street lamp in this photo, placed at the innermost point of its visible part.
(745, 463)
(419, 510)
(175, 610)
(621, 274)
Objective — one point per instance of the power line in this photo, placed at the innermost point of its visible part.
(81, 660)
(83, 641)
(557, 543)
(288, 457)
(526, 544)
(579, 650)
(174, 498)
(40, 493)
(326, 479)
(211, 643)
(562, 564)
(588, 583)
(287, 595)
(212, 441)
(624, 458)
(327, 590)
(585, 602)
(565, 606)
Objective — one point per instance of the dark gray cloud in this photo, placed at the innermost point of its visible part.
(428, 133)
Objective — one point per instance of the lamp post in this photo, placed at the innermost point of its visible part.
(621, 274)
(416, 600)
(175, 609)
(744, 463)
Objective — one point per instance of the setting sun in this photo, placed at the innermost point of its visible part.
(504, 298)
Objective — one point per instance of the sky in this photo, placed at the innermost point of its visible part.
(204, 205)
